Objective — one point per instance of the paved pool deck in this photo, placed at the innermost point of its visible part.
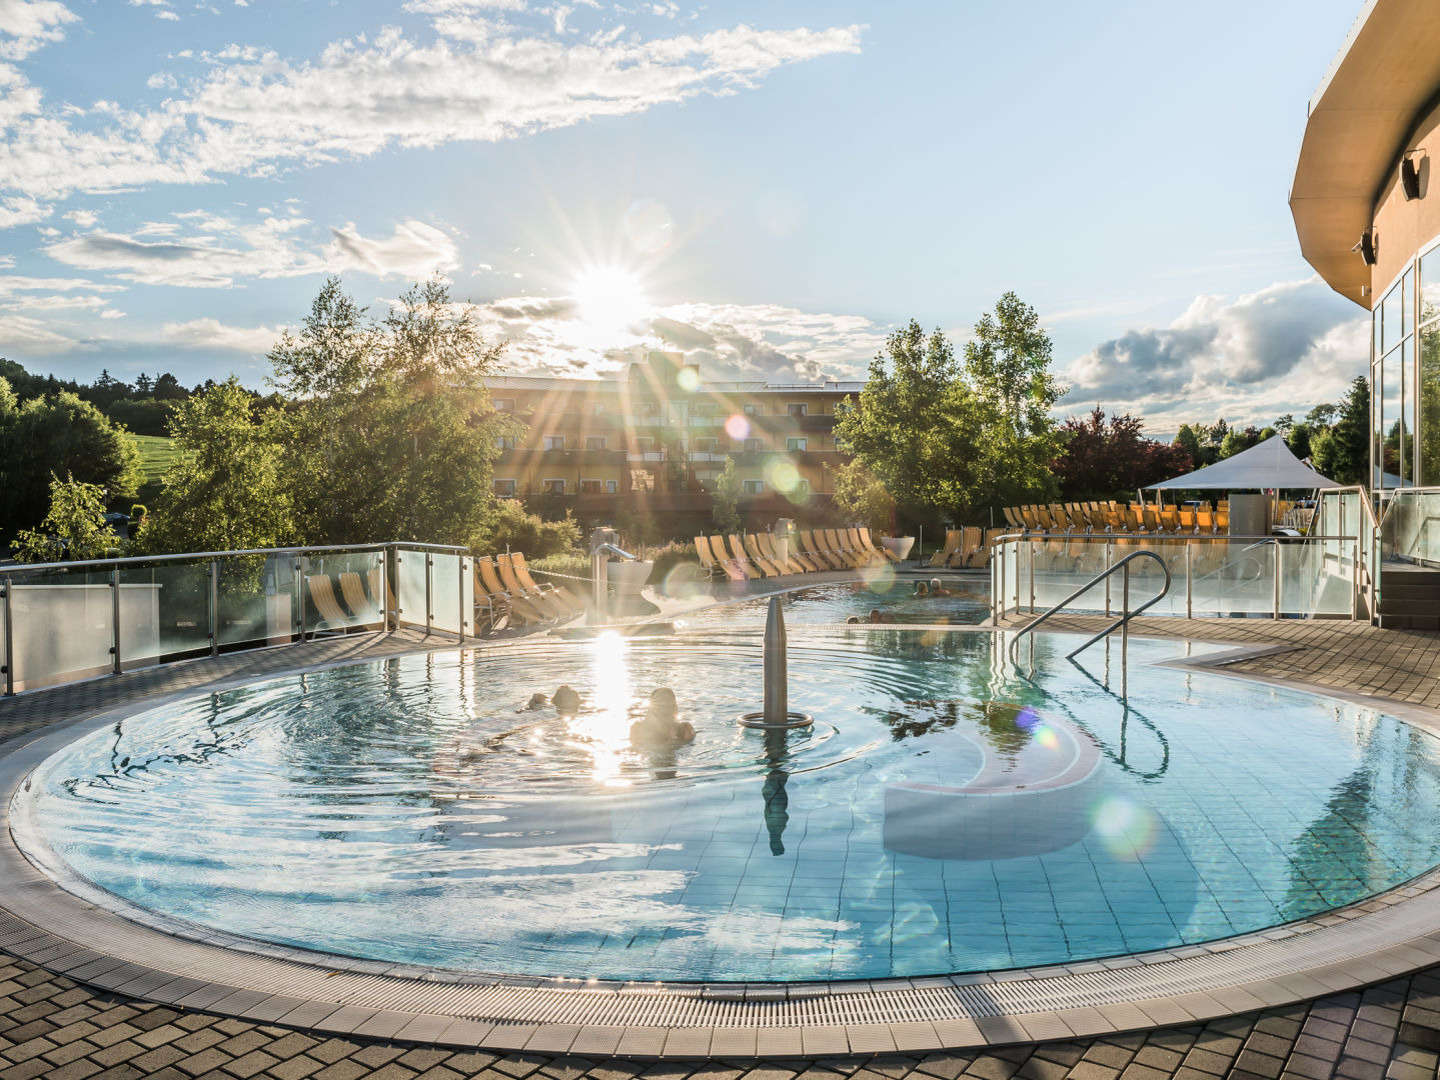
(54, 1025)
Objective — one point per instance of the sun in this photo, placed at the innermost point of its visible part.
(609, 298)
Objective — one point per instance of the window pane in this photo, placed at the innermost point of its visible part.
(1406, 299)
(1430, 286)
(1377, 425)
(1430, 405)
(1390, 426)
(1405, 359)
(1392, 329)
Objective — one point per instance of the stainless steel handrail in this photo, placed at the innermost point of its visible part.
(1121, 623)
(141, 560)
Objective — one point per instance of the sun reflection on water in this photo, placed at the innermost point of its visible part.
(603, 730)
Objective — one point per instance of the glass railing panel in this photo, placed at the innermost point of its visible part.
(1410, 529)
(258, 600)
(343, 591)
(164, 611)
(64, 626)
(1233, 577)
(452, 593)
(410, 587)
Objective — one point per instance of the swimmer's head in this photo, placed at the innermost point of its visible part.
(934, 584)
(565, 699)
(663, 698)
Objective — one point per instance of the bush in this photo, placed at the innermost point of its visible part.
(670, 556)
(511, 525)
(570, 562)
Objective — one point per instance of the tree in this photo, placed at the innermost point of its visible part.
(390, 435)
(1112, 459)
(59, 435)
(1343, 452)
(73, 528)
(227, 488)
(1188, 439)
(946, 440)
(725, 499)
(1298, 439)
(863, 498)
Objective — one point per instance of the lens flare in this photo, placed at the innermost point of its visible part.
(688, 380)
(648, 226)
(737, 427)
(783, 476)
(878, 579)
(1027, 718)
(1126, 828)
(1045, 736)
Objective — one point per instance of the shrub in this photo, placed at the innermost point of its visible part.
(670, 556)
(511, 525)
(570, 562)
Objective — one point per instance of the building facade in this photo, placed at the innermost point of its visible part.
(658, 437)
(1368, 218)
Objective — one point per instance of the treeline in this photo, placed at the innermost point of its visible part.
(142, 407)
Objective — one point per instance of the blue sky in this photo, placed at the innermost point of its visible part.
(768, 187)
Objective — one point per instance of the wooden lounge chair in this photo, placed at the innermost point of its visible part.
(868, 555)
(816, 550)
(333, 618)
(758, 557)
(549, 603)
(952, 545)
(708, 564)
(811, 563)
(564, 596)
(722, 558)
(790, 564)
(752, 568)
(521, 610)
(352, 588)
(838, 544)
(970, 538)
(879, 549)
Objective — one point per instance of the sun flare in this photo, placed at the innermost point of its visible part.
(609, 297)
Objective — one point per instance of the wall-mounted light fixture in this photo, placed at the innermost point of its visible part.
(1368, 245)
(1410, 166)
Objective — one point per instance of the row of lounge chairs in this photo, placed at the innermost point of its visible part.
(814, 551)
(1114, 517)
(505, 595)
(967, 547)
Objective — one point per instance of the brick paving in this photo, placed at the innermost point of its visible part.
(52, 1027)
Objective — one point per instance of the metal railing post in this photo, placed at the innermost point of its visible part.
(1276, 563)
(214, 605)
(115, 617)
(460, 598)
(429, 592)
(1125, 624)
(9, 637)
(1189, 581)
(997, 599)
(1032, 580)
(1109, 562)
(1355, 581)
(300, 597)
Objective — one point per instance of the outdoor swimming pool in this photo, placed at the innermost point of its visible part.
(968, 603)
(941, 816)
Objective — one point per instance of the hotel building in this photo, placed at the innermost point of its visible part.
(1368, 219)
(657, 437)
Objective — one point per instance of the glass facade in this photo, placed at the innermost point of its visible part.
(1405, 379)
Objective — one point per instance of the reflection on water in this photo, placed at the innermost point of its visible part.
(941, 815)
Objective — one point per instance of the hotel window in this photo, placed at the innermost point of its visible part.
(795, 444)
(591, 487)
(796, 408)
(609, 487)
(553, 487)
(505, 489)
(554, 442)
(595, 442)
(504, 404)
(505, 442)
(1429, 398)
(751, 409)
(1392, 384)
(753, 487)
(752, 446)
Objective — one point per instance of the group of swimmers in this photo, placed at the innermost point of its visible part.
(659, 727)
(923, 591)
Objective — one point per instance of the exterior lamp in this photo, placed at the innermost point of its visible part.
(1410, 166)
(1367, 247)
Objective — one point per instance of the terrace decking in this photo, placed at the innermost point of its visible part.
(52, 1026)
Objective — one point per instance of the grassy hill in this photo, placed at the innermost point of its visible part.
(156, 454)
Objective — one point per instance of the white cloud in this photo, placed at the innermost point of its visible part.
(415, 250)
(729, 341)
(27, 25)
(206, 250)
(213, 334)
(19, 210)
(1282, 349)
(255, 113)
(84, 218)
(13, 283)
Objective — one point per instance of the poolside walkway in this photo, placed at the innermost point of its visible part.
(52, 1027)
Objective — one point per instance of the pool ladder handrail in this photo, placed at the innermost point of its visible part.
(1122, 624)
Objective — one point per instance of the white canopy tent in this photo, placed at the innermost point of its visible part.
(1266, 465)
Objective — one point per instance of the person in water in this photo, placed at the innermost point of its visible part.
(875, 616)
(566, 701)
(937, 589)
(921, 590)
(660, 727)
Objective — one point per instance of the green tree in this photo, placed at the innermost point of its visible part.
(947, 440)
(1343, 452)
(725, 499)
(512, 527)
(58, 435)
(390, 435)
(227, 487)
(1189, 441)
(863, 498)
(73, 528)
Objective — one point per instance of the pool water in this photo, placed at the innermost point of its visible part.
(940, 816)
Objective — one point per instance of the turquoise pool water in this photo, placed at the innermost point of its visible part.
(967, 602)
(941, 816)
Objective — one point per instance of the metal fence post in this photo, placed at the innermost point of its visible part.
(115, 616)
(429, 590)
(1032, 580)
(1125, 622)
(1109, 562)
(460, 599)
(300, 597)
(9, 637)
(1276, 614)
(1189, 580)
(215, 606)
